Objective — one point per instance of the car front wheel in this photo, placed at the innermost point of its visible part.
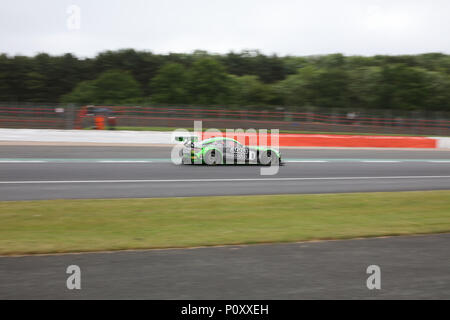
(268, 157)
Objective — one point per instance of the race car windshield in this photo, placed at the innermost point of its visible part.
(227, 141)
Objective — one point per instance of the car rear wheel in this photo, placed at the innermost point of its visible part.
(268, 157)
(213, 157)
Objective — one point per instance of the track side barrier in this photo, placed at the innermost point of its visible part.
(285, 140)
(356, 141)
(312, 140)
(442, 143)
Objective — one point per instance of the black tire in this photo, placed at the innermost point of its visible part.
(213, 157)
(267, 157)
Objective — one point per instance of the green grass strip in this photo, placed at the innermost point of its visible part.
(91, 225)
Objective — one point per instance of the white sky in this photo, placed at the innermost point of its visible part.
(352, 27)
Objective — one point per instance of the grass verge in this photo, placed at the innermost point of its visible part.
(91, 225)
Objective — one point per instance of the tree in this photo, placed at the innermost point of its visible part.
(403, 82)
(142, 65)
(5, 79)
(169, 84)
(330, 88)
(403, 87)
(36, 84)
(208, 83)
(111, 87)
(364, 87)
(16, 75)
(438, 85)
(298, 89)
(249, 91)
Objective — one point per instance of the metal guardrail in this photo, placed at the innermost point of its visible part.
(80, 117)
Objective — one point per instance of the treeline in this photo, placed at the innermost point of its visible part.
(249, 78)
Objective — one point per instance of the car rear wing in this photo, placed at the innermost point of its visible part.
(186, 138)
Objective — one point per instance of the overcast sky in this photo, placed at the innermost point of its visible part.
(352, 27)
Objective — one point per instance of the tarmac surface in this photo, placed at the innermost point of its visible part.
(51, 172)
(411, 267)
(131, 152)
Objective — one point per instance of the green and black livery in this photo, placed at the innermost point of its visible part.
(221, 150)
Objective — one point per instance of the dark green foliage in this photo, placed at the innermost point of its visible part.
(111, 87)
(170, 84)
(208, 83)
(248, 78)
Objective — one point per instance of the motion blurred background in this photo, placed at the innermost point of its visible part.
(256, 65)
(369, 69)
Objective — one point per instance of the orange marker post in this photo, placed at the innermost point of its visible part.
(99, 123)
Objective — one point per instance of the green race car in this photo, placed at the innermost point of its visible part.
(220, 150)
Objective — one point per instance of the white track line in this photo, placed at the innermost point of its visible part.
(306, 161)
(287, 161)
(380, 161)
(22, 161)
(219, 180)
(123, 161)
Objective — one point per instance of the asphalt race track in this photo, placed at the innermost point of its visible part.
(411, 267)
(28, 173)
(131, 152)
